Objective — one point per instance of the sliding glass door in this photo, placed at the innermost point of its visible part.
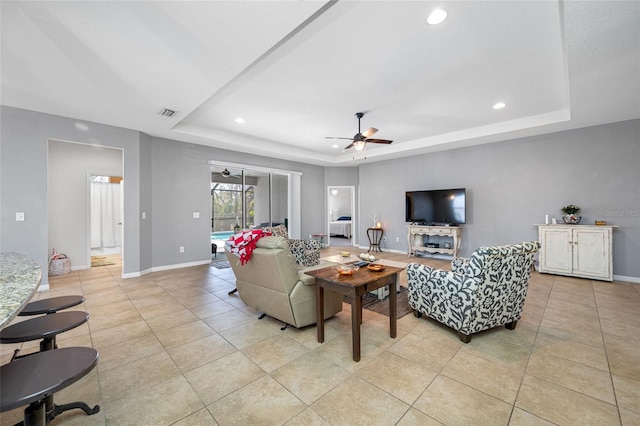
(243, 198)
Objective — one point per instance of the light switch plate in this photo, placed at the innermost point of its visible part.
(19, 216)
(196, 215)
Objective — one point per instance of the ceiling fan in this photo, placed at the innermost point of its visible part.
(226, 173)
(360, 140)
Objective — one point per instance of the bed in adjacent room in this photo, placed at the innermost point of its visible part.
(342, 226)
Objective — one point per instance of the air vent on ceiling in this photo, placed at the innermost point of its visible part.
(167, 112)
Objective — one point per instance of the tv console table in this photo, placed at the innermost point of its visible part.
(416, 234)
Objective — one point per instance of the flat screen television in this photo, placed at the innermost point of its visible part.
(437, 207)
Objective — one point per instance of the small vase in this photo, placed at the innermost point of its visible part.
(571, 219)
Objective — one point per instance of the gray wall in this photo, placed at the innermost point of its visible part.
(180, 185)
(165, 179)
(512, 185)
(146, 204)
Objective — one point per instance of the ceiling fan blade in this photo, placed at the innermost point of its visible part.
(370, 132)
(379, 141)
(337, 137)
(349, 146)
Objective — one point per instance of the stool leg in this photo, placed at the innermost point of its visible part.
(48, 343)
(58, 409)
(35, 414)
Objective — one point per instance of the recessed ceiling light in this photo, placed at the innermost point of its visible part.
(335, 145)
(499, 105)
(240, 120)
(437, 17)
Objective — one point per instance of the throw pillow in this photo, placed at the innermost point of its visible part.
(277, 231)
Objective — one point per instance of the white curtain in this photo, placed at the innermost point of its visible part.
(106, 214)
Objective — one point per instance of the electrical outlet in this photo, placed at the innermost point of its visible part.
(181, 249)
(397, 239)
(196, 215)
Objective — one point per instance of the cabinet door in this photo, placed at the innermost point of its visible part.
(592, 252)
(556, 250)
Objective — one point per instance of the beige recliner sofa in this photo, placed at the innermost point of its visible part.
(273, 283)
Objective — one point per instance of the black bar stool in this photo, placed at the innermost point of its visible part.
(51, 305)
(34, 379)
(45, 327)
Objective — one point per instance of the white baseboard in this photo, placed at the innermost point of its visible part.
(80, 267)
(136, 274)
(164, 268)
(635, 280)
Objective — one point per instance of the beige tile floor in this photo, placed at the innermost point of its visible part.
(176, 349)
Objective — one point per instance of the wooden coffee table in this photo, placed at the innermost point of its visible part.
(356, 285)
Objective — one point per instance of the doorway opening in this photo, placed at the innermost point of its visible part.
(106, 213)
(342, 220)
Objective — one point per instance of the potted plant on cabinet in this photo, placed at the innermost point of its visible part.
(570, 214)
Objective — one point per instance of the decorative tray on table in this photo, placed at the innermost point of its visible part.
(375, 267)
(346, 268)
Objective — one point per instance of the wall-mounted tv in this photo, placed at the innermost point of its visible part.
(437, 207)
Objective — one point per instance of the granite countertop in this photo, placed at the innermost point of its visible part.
(19, 279)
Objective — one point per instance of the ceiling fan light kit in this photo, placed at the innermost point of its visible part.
(359, 145)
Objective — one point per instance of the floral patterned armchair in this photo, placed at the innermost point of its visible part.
(484, 291)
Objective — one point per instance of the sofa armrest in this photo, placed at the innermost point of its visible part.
(308, 279)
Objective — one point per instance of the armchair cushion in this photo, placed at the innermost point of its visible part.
(484, 291)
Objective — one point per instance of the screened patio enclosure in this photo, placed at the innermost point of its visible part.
(245, 198)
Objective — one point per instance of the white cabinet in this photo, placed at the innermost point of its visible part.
(418, 235)
(577, 250)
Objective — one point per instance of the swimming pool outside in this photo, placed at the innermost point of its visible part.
(220, 237)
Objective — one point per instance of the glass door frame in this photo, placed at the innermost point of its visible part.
(293, 192)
